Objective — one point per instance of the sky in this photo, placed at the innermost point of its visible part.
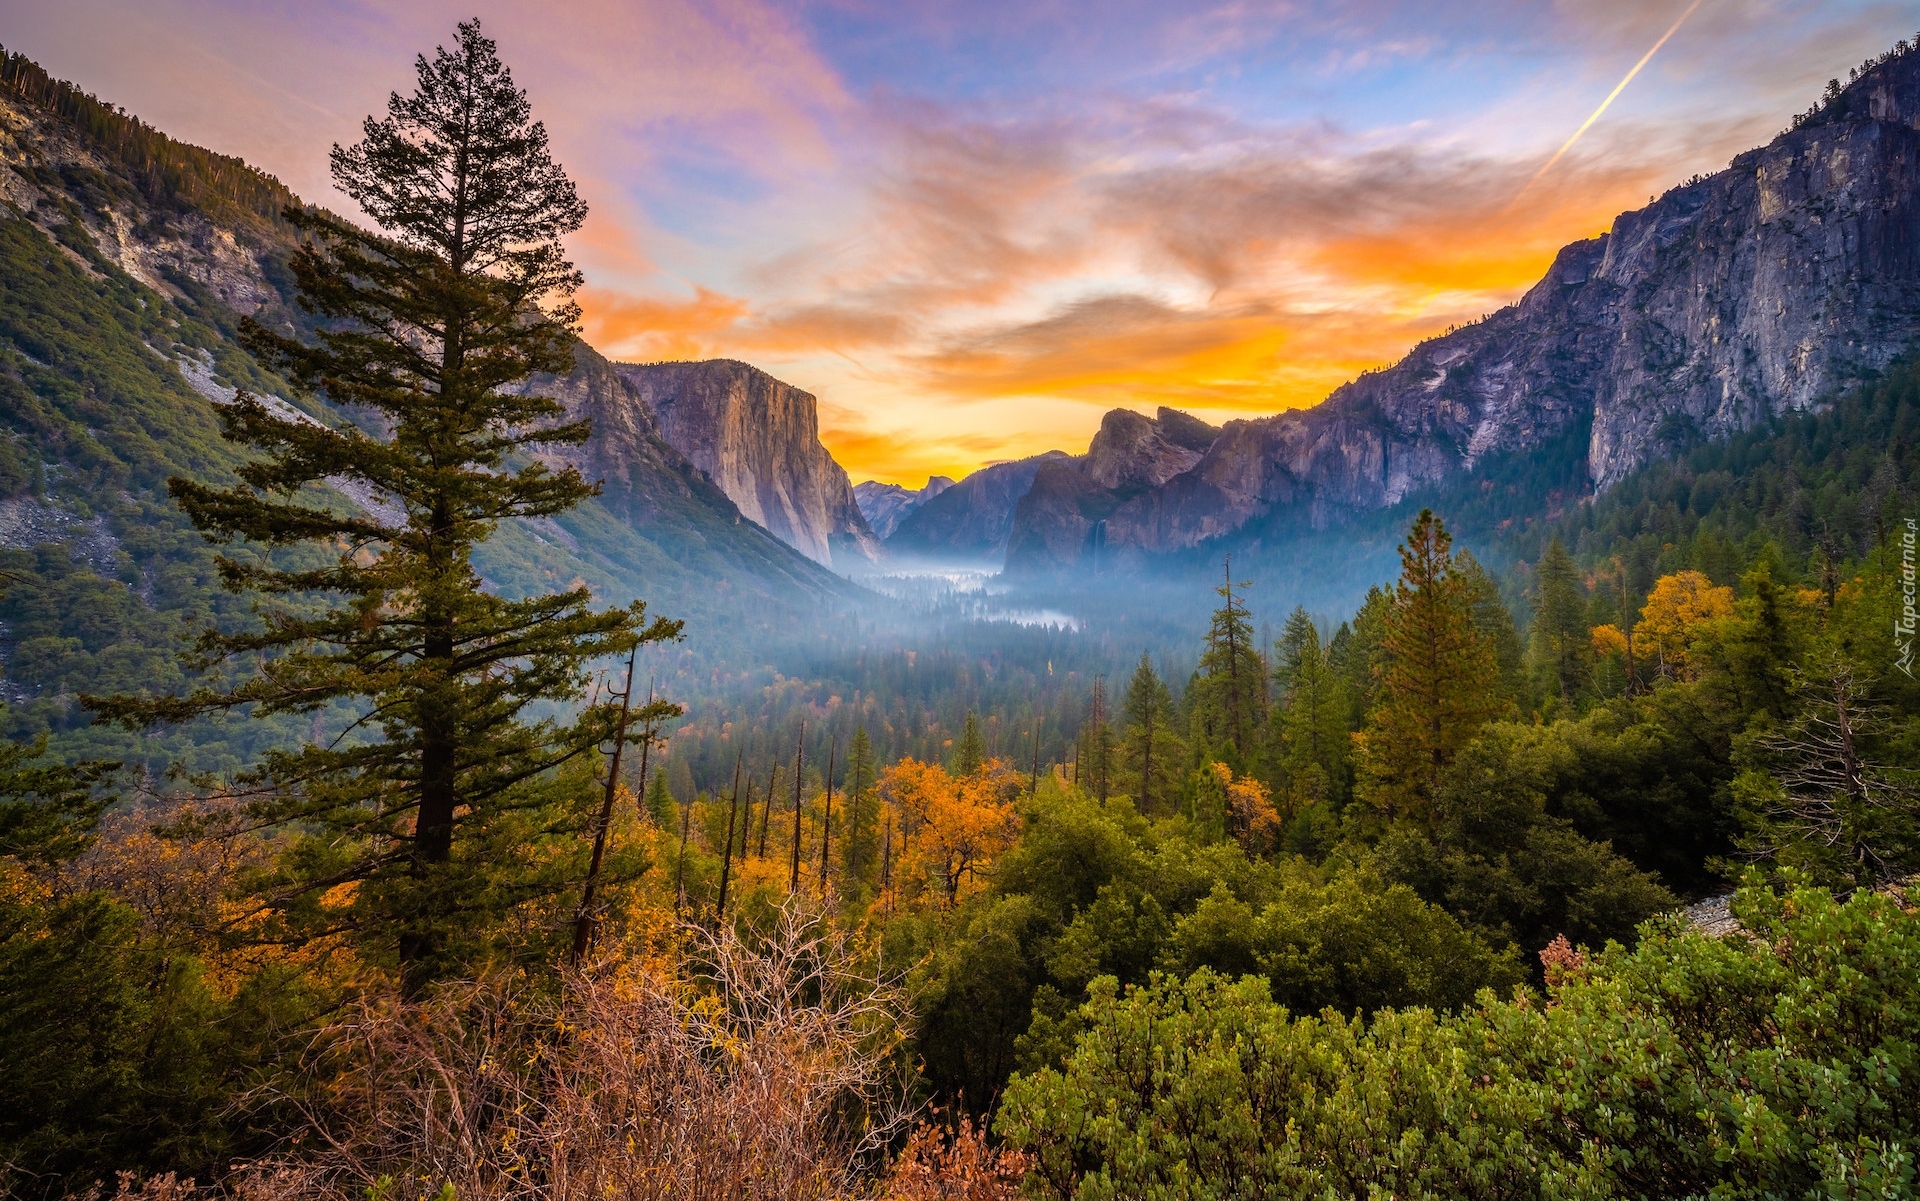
(972, 228)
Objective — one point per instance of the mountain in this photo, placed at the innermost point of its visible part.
(758, 439)
(1055, 522)
(886, 505)
(969, 522)
(128, 259)
(1757, 290)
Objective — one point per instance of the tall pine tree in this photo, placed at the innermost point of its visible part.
(661, 807)
(860, 845)
(1152, 755)
(972, 754)
(1495, 622)
(1096, 743)
(426, 327)
(1562, 644)
(1229, 701)
(1313, 731)
(1436, 685)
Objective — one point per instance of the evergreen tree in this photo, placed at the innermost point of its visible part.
(1562, 645)
(860, 844)
(662, 809)
(1495, 623)
(1432, 695)
(1831, 796)
(48, 810)
(1762, 649)
(429, 326)
(1229, 697)
(972, 754)
(1151, 753)
(1096, 741)
(1358, 651)
(1313, 723)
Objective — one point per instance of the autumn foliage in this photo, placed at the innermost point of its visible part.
(952, 828)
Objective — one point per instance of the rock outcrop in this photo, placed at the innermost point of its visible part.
(1061, 517)
(969, 522)
(886, 505)
(1758, 289)
(758, 439)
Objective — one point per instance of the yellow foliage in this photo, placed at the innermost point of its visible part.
(953, 828)
(1250, 811)
(1678, 611)
(1608, 640)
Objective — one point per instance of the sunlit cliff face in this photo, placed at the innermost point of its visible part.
(970, 228)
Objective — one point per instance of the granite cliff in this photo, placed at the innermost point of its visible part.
(758, 439)
(1754, 290)
(1060, 516)
(885, 506)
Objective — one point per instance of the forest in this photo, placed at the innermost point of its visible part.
(1580, 872)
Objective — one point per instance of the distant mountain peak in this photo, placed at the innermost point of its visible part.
(758, 439)
(886, 505)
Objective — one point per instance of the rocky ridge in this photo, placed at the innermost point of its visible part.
(758, 439)
(1755, 290)
(1059, 519)
(969, 522)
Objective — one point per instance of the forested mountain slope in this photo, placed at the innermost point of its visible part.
(126, 261)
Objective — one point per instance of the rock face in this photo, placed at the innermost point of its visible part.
(207, 236)
(759, 441)
(1062, 516)
(886, 505)
(970, 521)
(1755, 290)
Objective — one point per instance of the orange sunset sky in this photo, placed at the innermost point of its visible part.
(970, 229)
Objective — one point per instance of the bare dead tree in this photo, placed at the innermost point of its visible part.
(1826, 803)
(761, 1065)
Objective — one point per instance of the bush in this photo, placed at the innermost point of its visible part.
(1784, 1061)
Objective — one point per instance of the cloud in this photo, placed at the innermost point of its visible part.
(967, 226)
(649, 329)
(1256, 277)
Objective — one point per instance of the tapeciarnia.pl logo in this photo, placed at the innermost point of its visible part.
(1903, 625)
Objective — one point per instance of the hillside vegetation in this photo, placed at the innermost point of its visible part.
(334, 863)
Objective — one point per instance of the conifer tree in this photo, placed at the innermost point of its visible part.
(971, 754)
(1151, 753)
(1229, 699)
(860, 843)
(1562, 643)
(1433, 693)
(1358, 651)
(1313, 721)
(1495, 622)
(48, 809)
(1096, 740)
(661, 807)
(427, 327)
(1830, 794)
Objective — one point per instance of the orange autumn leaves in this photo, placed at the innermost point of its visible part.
(951, 829)
(1251, 816)
(1681, 608)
